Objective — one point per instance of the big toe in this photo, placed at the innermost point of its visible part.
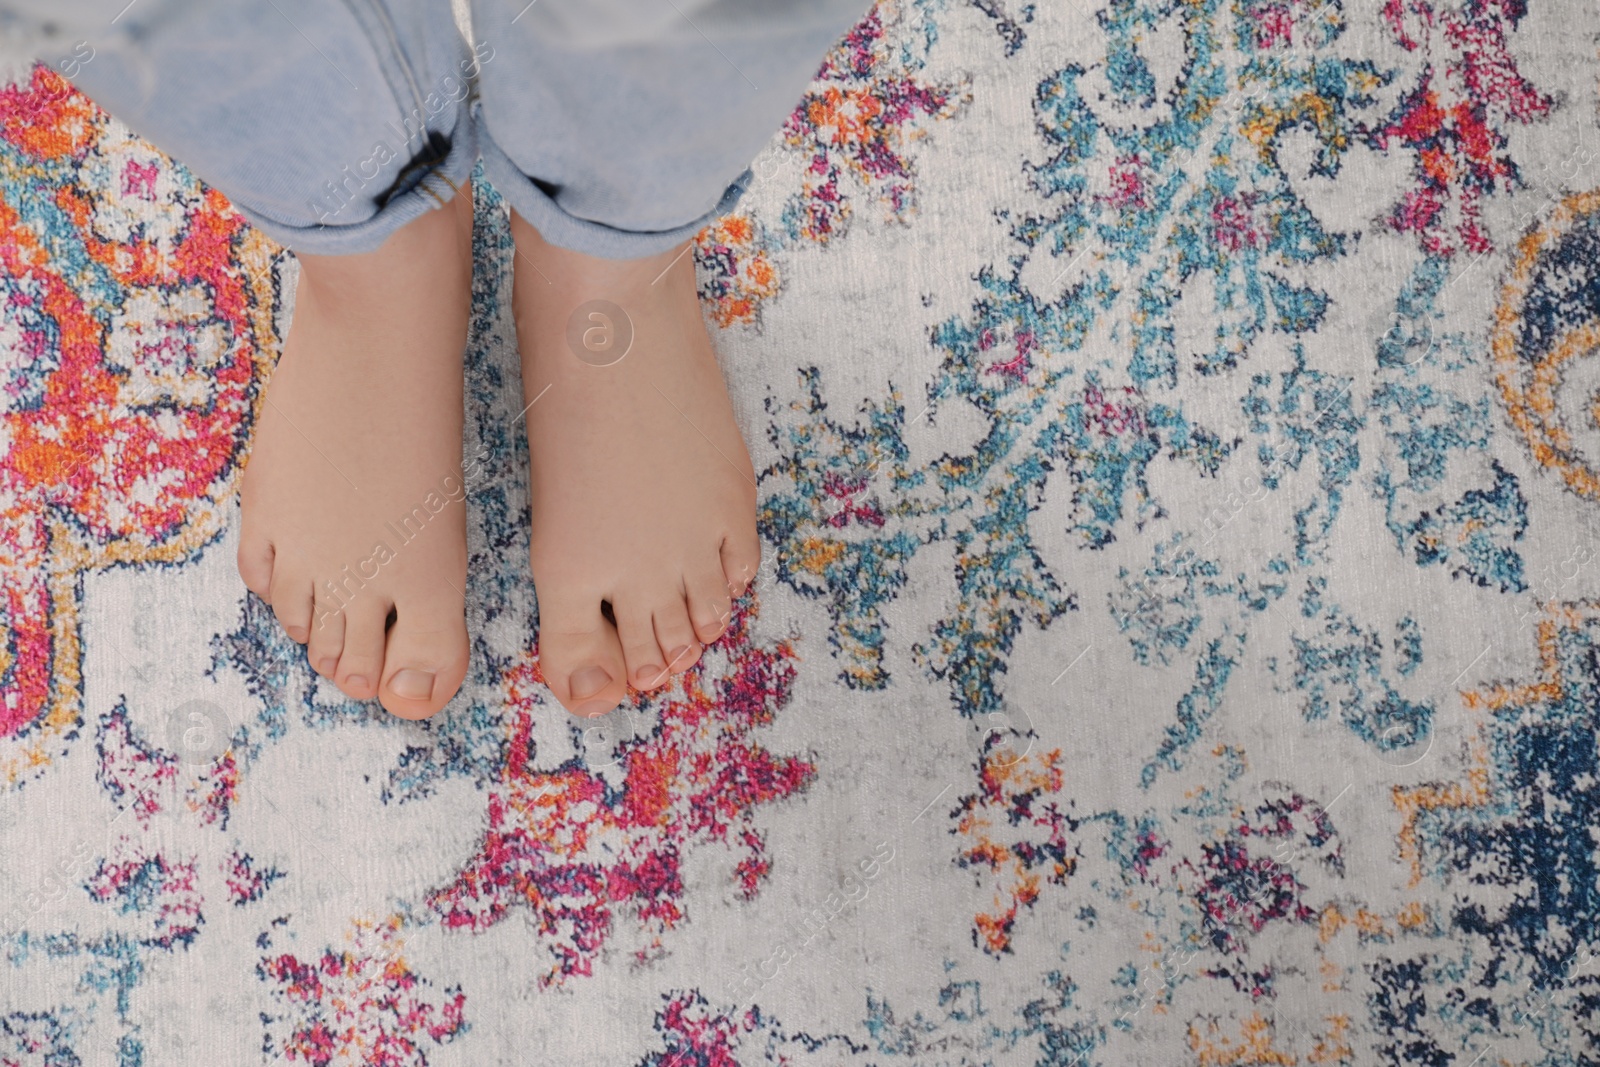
(424, 658)
(579, 655)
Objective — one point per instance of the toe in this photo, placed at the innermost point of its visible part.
(579, 653)
(361, 659)
(675, 635)
(327, 636)
(425, 658)
(741, 559)
(647, 668)
(290, 597)
(255, 566)
(710, 607)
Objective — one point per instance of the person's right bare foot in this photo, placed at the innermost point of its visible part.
(644, 500)
(354, 526)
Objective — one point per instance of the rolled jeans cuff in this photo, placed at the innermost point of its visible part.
(592, 238)
(432, 188)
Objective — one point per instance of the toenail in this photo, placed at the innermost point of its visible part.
(651, 674)
(356, 681)
(327, 666)
(679, 655)
(412, 684)
(297, 634)
(587, 682)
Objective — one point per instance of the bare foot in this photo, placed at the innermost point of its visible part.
(354, 523)
(643, 497)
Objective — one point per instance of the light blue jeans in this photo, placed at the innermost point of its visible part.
(616, 127)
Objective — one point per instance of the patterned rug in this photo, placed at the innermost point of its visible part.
(1179, 438)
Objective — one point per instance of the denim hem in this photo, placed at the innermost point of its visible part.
(433, 190)
(584, 235)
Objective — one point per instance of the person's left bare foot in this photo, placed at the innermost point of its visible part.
(643, 497)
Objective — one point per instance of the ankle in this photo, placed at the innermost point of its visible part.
(436, 244)
(581, 276)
